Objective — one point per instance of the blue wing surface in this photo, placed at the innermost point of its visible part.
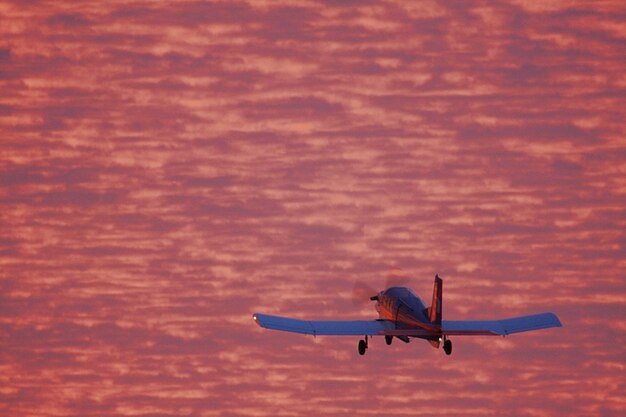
(385, 327)
(324, 327)
(499, 327)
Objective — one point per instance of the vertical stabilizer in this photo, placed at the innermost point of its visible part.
(434, 312)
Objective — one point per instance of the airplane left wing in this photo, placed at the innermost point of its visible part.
(324, 327)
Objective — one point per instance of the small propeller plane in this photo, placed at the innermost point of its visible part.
(402, 314)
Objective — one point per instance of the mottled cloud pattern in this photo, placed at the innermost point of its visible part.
(167, 169)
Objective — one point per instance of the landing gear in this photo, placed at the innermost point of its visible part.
(388, 339)
(447, 346)
(362, 346)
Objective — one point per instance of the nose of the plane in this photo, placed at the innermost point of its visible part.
(378, 296)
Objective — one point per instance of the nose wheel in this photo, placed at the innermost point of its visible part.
(447, 346)
(363, 346)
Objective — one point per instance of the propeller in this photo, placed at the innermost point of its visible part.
(362, 293)
(396, 277)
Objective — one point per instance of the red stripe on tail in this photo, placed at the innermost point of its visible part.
(434, 312)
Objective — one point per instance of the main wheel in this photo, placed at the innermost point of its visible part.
(362, 347)
(447, 347)
(388, 339)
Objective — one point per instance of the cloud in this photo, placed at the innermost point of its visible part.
(166, 170)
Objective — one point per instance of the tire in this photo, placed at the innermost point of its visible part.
(362, 347)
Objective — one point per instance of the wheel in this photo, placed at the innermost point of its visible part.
(388, 339)
(362, 347)
(447, 347)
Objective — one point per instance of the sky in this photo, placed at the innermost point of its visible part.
(167, 169)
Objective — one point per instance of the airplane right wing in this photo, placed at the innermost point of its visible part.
(499, 327)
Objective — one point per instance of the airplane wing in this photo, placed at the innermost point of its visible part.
(385, 327)
(325, 327)
(499, 327)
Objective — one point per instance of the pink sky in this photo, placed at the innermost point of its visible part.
(167, 169)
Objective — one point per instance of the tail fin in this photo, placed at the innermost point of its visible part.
(434, 311)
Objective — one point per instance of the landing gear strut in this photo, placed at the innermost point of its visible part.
(363, 346)
(447, 346)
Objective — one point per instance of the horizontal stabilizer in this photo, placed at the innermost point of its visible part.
(500, 327)
(324, 327)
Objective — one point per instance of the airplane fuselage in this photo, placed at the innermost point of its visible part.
(403, 307)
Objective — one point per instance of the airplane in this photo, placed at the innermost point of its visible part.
(403, 315)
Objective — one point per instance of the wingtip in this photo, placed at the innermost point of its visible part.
(557, 320)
